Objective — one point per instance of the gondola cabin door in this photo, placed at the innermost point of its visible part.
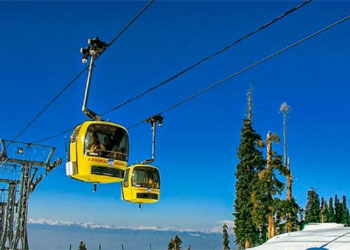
(98, 152)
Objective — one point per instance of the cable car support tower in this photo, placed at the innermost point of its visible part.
(20, 173)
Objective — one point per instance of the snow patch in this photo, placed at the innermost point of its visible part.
(319, 226)
(322, 236)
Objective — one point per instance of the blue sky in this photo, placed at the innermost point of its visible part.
(196, 147)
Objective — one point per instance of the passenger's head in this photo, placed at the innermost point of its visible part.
(118, 136)
(94, 138)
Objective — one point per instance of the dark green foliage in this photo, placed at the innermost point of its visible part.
(313, 211)
(344, 212)
(337, 210)
(324, 211)
(283, 209)
(171, 244)
(225, 238)
(82, 246)
(177, 242)
(265, 190)
(331, 216)
(301, 219)
(250, 160)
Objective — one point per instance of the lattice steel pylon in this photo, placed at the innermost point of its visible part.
(14, 212)
(2, 215)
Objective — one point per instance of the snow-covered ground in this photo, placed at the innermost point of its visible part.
(321, 236)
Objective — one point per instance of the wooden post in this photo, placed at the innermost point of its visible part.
(271, 221)
(247, 244)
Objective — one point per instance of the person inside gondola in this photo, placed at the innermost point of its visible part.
(114, 145)
(95, 146)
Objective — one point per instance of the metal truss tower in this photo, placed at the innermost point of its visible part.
(19, 173)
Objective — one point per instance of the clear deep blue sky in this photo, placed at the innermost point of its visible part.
(196, 150)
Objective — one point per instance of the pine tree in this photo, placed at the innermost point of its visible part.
(344, 212)
(337, 210)
(82, 246)
(324, 211)
(250, 160)
(287, 212)
(177, 243)
(171, 244)
(313, 211)
(225, 238)
(331, 216)
(267, 187)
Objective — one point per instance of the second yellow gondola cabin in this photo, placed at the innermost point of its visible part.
(98, 152)
(141, 184)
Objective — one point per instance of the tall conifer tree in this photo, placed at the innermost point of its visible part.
(337, 210)
(344, 212)
(313, 211)
(287, 212)
(266, 189)
(250, 159)
(225, 238)
(177, 243)
(331, 217)
(171, 244)
(324, 211)
(82, 246)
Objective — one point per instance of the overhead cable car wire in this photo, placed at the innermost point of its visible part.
(130, 22)
(54, 136)
(230, 76)
(187, 69)
(246, 69)
(207, 58)
(50, 102)
(80, 73)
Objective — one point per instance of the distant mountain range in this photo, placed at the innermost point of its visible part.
(56, 235)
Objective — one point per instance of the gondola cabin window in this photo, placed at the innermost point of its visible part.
(106, 141)
(146, 177)
(126, 178)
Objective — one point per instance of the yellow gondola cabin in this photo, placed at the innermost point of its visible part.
(141, 184)
(98, 152)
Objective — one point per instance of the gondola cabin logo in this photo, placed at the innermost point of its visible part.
(97, 160)
(109, 162)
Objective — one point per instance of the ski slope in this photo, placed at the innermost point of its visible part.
(317, 236)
